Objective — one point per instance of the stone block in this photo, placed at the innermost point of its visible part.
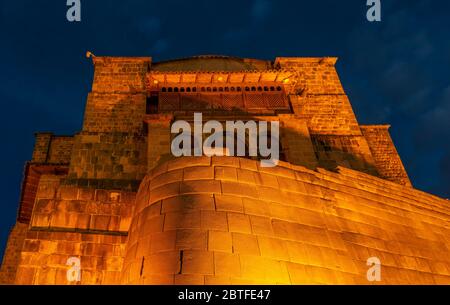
(68, 192)
(185, 162)
(239, 189)
(164, 191)
(217, 280)
(225, 173)
(239, 223)
(226, 264)
(191, 239)
(248, 164)
(158, 279)
(200, 187)
(297, 274)
(229, 203)
(44, 206)
(219, 241)
(256, 207)
(261, 225)
(246, 176)
(182, 220)
(163, 241)
(99, 222)
(162, 263)
(273, 248)
(102, 195)
(245, 244)
(152, 225)
(189, 279)
(41, 220)
(225, 161)
(188, 202)
(252, 268)
(166, 178)
(267, 180)
(198, 173)
(212, 220)
(198, 262)
(297, 252)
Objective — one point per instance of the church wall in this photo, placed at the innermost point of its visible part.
(229, 221)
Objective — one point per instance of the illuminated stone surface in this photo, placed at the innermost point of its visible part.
(114, 197)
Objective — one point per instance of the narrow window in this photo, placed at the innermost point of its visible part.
(152, 104)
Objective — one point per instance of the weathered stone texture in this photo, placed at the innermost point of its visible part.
(113, 195)
(387, 160)
(11, 257)
(52, 149)
(310, 228)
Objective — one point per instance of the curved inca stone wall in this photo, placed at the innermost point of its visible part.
(226, 220)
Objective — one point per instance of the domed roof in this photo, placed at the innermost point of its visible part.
(212, 63)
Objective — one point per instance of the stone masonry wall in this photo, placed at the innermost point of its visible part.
(387, 159)
(60, 150)
(110, 156)
(296, 141)
(68, 221)
(11, 257)
(228, 221)
(45, 254)
(110, 151)
(348, 151)
(314, 75)
(69, 208)
(318, 98)
(49, 148)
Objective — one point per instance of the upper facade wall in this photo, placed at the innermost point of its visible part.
(117, 100)
(52, 149)
(120, 74)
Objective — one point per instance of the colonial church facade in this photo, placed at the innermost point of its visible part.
(112, 204)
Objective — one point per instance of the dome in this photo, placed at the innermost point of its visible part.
(212, 63)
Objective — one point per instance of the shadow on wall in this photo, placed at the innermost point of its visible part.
(299, 148)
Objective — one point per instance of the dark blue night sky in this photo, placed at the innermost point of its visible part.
(395, 71)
